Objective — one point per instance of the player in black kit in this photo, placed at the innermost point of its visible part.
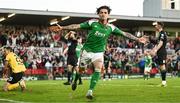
(107, 63)
(72, 59)
(160, 50)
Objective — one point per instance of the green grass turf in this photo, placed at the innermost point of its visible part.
(123, 91)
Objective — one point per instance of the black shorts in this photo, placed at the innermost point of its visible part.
(15, 77)
(72, 60)
(161, 59)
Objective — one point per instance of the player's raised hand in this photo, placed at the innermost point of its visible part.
(55, 28)
(143, 40)
(60, 27)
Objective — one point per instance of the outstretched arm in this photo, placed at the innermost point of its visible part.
(69, 27)
(117, 31)
(130, 36)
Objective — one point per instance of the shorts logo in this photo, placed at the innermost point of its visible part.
(162, 36)
(10, 79)
(164, 61)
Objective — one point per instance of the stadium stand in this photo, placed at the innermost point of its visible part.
(30, 37)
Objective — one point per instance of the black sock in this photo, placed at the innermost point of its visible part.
(69, 76)
(109, 75)
(163, 75)
(104, 76)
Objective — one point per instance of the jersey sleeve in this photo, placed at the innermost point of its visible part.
(7, 58)
(84, 25)
(87, 25)
(162, 36)
(116, 31)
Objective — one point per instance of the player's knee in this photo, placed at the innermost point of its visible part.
(97, 70)
(98, 66)
(162, 68)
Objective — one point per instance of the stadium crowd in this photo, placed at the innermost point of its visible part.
(41, 48)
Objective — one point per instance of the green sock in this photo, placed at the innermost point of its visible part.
(80, 80)
(94, 80)
(145, 76)
(76, 77)
(73, 76)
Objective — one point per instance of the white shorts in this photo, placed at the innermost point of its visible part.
(78, 62)
(89, 57)
(147, 69)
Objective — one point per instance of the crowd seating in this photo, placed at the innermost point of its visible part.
(37, 45)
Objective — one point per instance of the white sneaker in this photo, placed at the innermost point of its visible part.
(89, 94)
(164, 84)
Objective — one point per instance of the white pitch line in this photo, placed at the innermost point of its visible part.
(45, 84)
(138, 85)
(12, 101)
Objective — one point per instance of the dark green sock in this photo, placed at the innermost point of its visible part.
(80, 80)
(94, 79)
(76, 77)
(145, 76)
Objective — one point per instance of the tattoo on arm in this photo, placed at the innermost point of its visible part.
(72, 27)
(130, 36)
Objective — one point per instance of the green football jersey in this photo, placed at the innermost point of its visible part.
(98, 35)
(148, 61)
(78, 50)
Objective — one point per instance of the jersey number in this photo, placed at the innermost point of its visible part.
(19, 61)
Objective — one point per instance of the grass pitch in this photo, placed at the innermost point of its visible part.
(119, 91)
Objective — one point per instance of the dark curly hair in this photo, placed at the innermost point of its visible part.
(103, 7)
